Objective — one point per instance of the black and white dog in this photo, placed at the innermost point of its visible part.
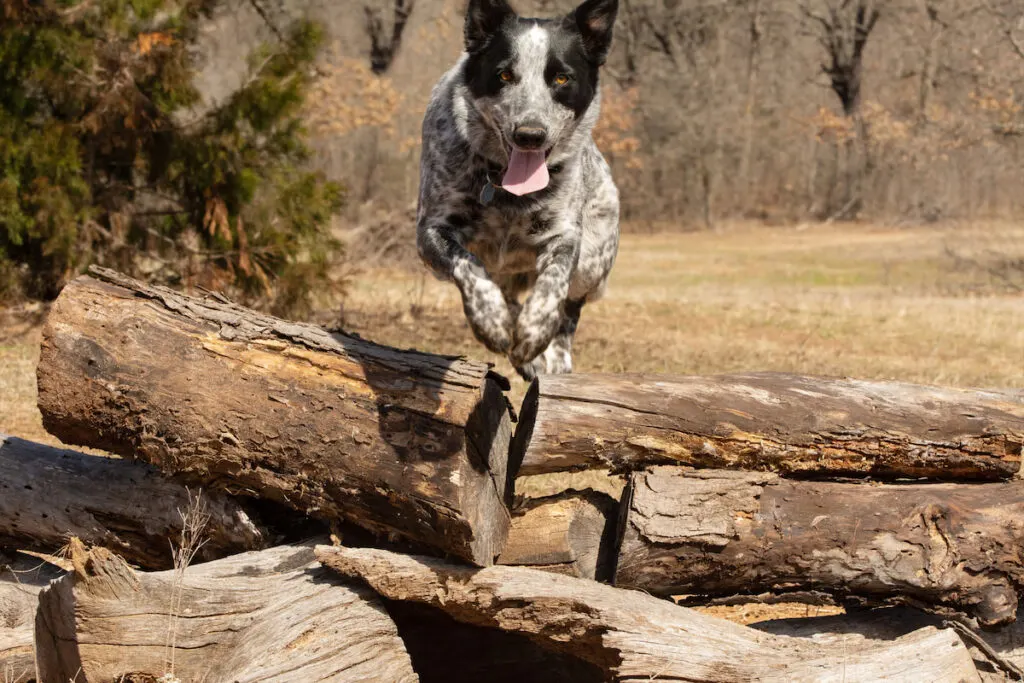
(514, 193)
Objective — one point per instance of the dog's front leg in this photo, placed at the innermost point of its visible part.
(482, 300)
(542, 313)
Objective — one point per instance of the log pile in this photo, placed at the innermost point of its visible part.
(294, 504)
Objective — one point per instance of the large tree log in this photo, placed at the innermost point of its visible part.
(715, 532)
(767, 421)
(633, 636)
(334, 426)
(49, 494)
(271, 615)
(570, 533)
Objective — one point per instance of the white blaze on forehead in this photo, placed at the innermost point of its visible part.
(531, 48)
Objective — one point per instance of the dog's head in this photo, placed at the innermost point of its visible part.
(533, 81)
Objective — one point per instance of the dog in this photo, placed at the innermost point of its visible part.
(514, 194)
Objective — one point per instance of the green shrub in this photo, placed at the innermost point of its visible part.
(103, 158)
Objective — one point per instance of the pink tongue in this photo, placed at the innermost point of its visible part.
(527, 172)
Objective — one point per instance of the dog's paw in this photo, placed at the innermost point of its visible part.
(535, 329)
(529, 371)
(488, 314)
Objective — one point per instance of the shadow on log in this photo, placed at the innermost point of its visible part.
(635, 637)
(48, 495)
(765, 421)
(447, 651)
(398, 442)
(272, 615)
(722, 533)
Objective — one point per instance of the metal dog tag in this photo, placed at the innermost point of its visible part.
(487, 194)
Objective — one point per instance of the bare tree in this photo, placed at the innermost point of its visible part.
(384, 44)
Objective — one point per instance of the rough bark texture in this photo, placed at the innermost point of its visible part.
(271, 615)
(447, 651)
(571, 533)
(334, 426)
(785, 423)
(723, 533)
(49, 494)
(633, 636)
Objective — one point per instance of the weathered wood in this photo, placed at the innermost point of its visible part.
(716, 532)
(571, 533)
(395, 441)
(633, 636)
(271, 615)
(49, 494)
(17, 659)
(17, 609)
(766, 421)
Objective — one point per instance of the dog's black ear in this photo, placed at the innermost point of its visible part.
(594, 20)
(483, 19)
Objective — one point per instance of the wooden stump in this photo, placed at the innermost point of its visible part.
(398, 442)
(724, 533)
(263, 616)
(635, 637)
(48, 495)
(571, 533)
(790, 424)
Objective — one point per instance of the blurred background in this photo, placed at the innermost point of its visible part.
(819, 186)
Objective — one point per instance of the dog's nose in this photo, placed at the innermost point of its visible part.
(529, 136)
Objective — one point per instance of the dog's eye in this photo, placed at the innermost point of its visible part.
(561, 79)
(506, 76)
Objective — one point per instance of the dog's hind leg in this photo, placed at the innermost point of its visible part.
(557, 357)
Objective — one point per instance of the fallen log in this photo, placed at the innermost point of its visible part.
(633, 636)
(715, 532)
(271, 615)
(765, 421)
(398, 442)
(48, 495)
(571, 533)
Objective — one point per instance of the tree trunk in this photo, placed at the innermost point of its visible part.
(764, 421)
(331, 425)
(724, 533)
(571, 533)
(633, 636)
(51, 494)
(265, 616)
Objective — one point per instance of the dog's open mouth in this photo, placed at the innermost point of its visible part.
(527, 171)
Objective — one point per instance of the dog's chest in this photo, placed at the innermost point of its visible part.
(504, 243)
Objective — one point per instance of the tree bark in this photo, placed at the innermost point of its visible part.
(331, 425)
(765, 421)
(271, 615)
(725, 533)
(571, 533)
(50, 494)
(633, 636)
